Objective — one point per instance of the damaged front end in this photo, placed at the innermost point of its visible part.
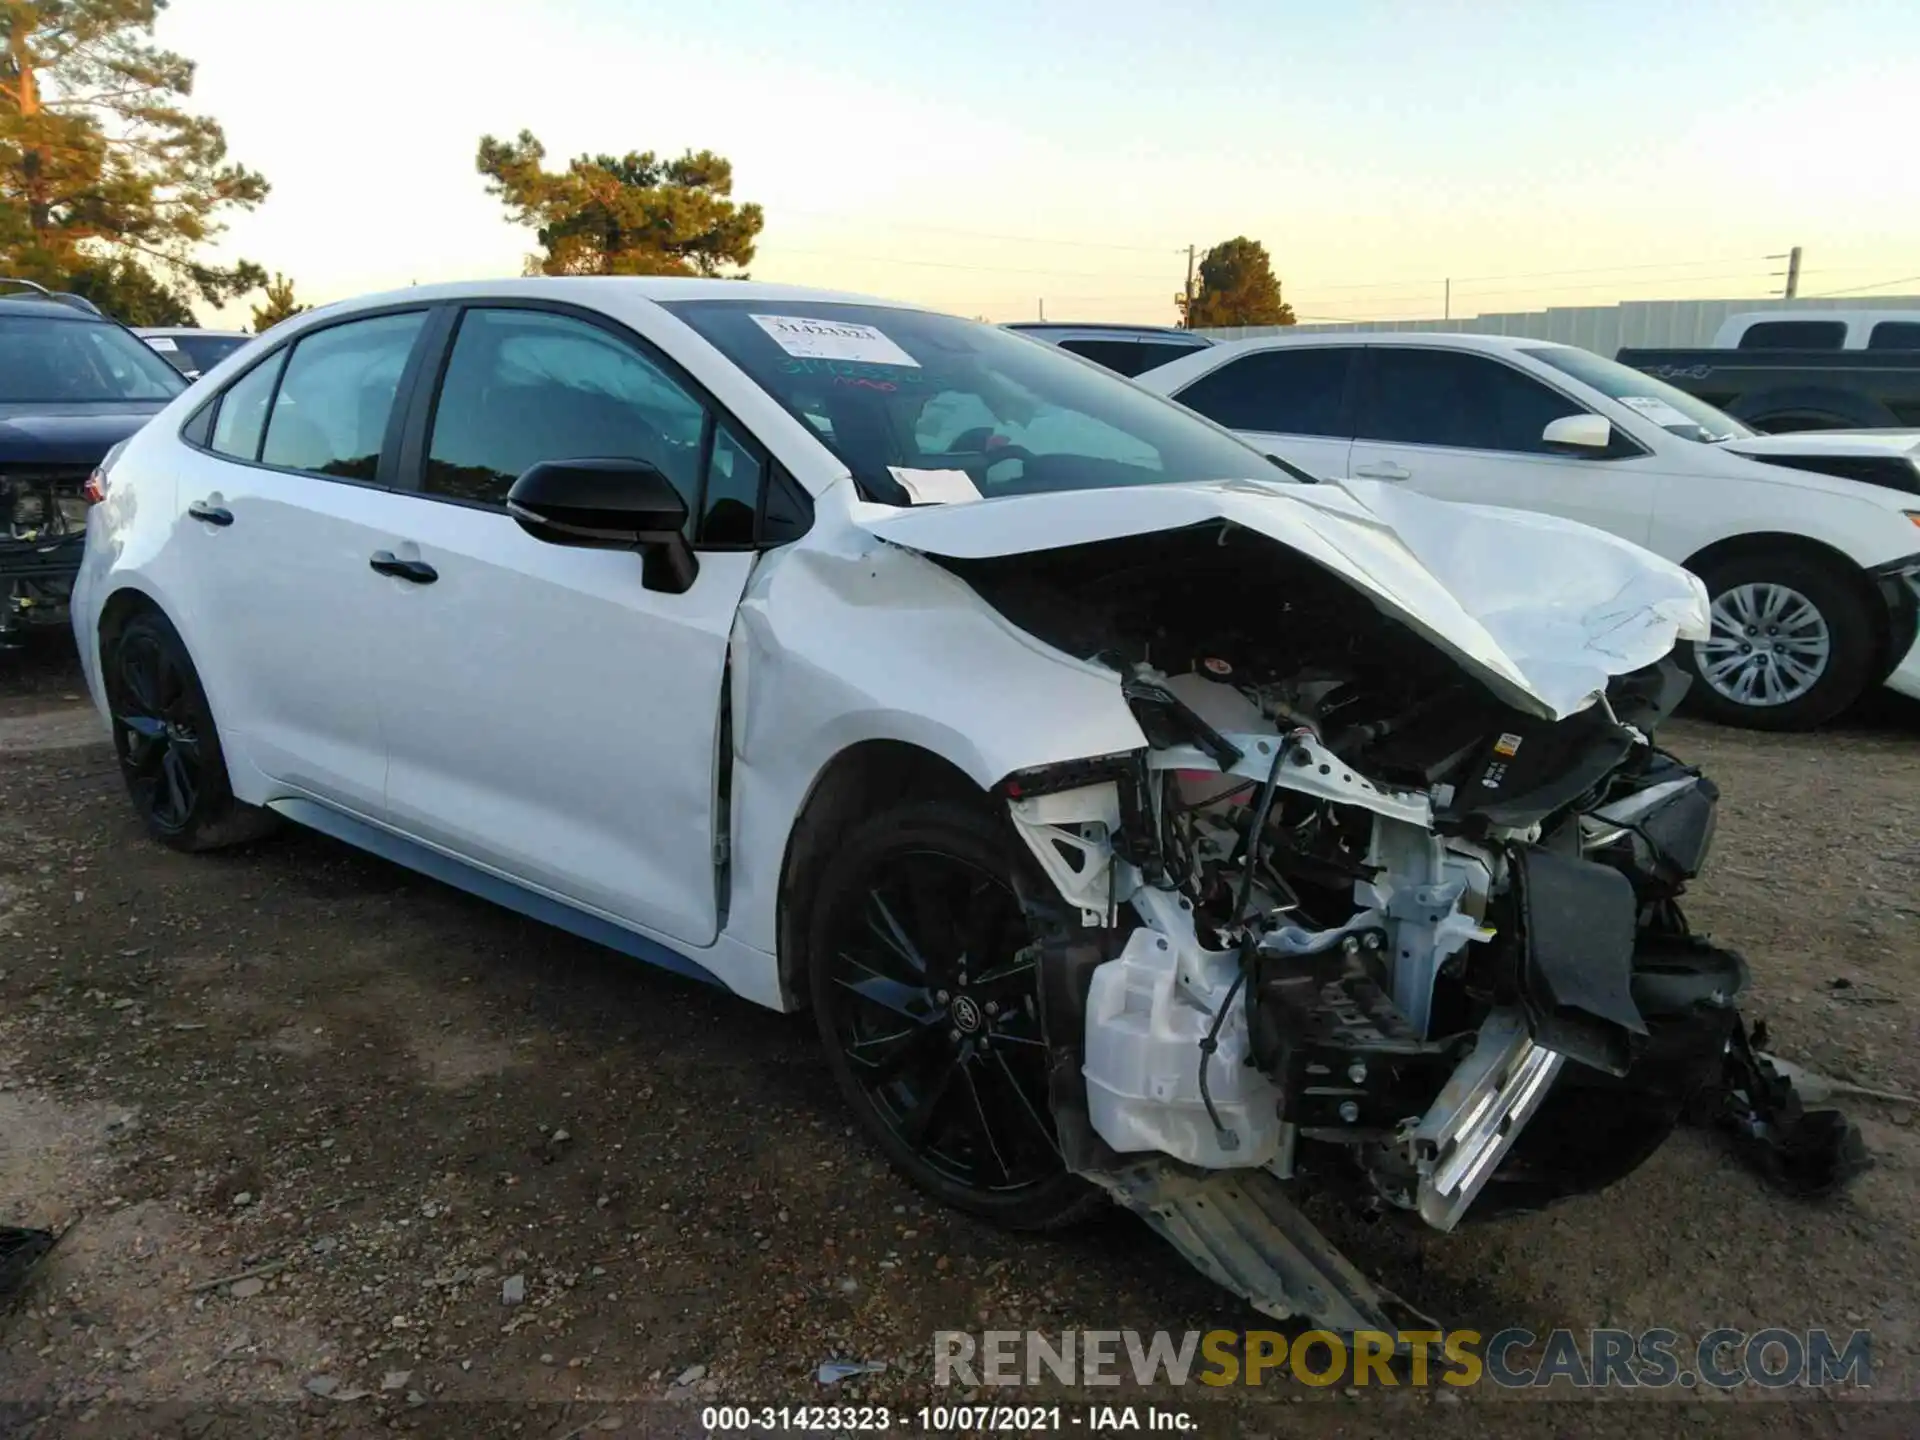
(1351, 918)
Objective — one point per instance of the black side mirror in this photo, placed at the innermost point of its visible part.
(609, 505)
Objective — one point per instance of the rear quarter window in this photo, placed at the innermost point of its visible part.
(1895, 335)
(1795, 335)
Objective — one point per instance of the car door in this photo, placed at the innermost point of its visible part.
(548, 717)
(1292, 401)
(1459, 425)
(282, 484)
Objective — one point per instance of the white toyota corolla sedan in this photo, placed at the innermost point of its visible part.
(1134, 818)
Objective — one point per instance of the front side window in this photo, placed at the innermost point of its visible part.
(336, 395)
(1447, 397)
(523, 386)
(1895, 335)
(1294, 391)
(732, 499)
(57, 361)
(886, 388)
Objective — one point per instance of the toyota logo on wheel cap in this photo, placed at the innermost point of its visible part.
(966, 1014)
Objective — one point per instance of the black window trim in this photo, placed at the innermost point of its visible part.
(423, 405)
(1348, 418)
(1622, 447)
(278, 354)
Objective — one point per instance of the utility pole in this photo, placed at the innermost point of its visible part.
(1446, 312)
(1187, 315)
(1043, 309)
(1792, 257)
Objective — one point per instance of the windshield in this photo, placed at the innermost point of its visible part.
(61, 362)
(907, 398)
(1673, 410)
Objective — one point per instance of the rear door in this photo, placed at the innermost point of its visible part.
(1293, 401)
(283, 488)
(1459, 425)
(548, 717)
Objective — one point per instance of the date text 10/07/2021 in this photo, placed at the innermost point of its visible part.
(946, 1419)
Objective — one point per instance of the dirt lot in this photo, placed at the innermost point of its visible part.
(392, 1102)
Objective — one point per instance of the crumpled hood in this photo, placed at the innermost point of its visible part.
(1544, 610)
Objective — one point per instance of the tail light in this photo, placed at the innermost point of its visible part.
(95, 490)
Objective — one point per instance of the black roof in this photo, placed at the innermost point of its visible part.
(1105, 326)
(45, 309)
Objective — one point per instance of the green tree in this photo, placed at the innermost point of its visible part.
(1237, 287)
(633, 214)
(104, 177)
(280, 304)
(128, 292)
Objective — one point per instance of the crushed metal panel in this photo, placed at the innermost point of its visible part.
(1240, 1230)
(1543, 610)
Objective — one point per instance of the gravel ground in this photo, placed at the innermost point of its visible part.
(466, 1166)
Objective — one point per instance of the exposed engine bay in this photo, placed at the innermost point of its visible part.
(1351, 920)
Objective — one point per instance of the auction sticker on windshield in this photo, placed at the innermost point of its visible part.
(811, 339)
(1657, 410)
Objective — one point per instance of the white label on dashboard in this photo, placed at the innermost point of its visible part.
(936, 487)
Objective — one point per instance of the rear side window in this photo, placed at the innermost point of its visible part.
(335, 398)
(524, 386)
(1895, 335)
(1286, 392)
(242, 418)
(1447, 397)
(1120, 356)
(1795, 335)
(1154, 353)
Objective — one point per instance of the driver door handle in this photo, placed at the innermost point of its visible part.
(1383, 470)
(212, 514)
(417, 571)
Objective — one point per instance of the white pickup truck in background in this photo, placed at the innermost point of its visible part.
(1809, 544)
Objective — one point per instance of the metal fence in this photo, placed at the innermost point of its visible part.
(1670, 324)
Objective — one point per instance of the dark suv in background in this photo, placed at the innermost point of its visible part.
(1129, 349)
(73, 384)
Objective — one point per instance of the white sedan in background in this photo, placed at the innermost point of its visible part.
(1807, 543)
(1087, 777)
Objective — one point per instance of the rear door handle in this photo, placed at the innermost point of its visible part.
(212, 514)
(1383, 470)
(417, 571)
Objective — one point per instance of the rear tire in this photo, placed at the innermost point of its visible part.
(929, 1012)
(169, 749)
(1793, 643)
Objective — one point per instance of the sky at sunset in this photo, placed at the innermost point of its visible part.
(989, 156)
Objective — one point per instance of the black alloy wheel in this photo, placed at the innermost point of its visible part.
(164, 735)
(924, 985)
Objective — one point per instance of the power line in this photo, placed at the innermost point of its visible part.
(991, 235)
(1878, 285)
(955, 265)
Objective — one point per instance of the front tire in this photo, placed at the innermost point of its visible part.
(927, 1002)
(169, 749)
(1792, 643)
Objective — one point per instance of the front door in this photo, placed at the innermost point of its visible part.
(1463, 426)
(547, 716)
